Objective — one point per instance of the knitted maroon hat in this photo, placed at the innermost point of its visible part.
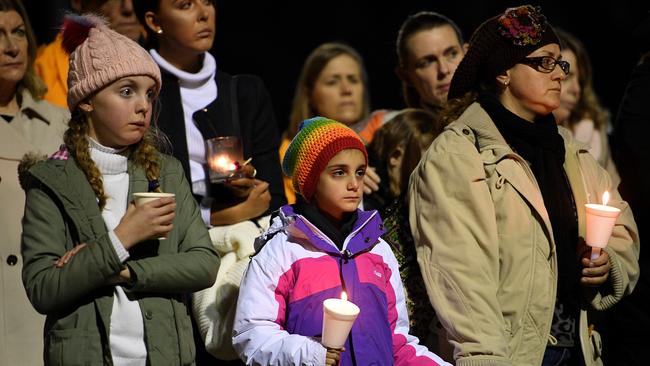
(500, 43)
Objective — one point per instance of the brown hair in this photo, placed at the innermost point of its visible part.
(411, 129)
(317, 60)
(588, 105)
(141, 7)
(143, 154)
(422, 21)
(30, 80)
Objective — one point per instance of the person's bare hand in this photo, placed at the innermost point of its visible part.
(241, 187)
(65, 258)
(595, 272)
(333, 355)
(258, 200)
(371, 181)
(151, 220)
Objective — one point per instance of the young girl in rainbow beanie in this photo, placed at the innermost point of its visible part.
(313, 251)
(112, 277)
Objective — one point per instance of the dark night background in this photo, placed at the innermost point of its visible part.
(271, 39)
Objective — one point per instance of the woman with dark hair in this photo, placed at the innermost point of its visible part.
(199, 101)
(497, 209)
(429, 48)
(27, 124)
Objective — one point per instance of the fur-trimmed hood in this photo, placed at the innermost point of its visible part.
(27, 162)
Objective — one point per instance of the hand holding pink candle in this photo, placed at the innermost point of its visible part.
(338, 317)
(600, 223)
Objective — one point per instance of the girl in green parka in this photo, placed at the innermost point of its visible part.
(111, 277)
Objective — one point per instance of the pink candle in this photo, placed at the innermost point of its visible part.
(600, 223)
(338, 317)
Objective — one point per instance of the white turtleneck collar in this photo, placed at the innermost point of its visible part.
(197, 92)
(187, 79)
(109, 161)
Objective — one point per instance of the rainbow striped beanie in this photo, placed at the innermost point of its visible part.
(317, 141)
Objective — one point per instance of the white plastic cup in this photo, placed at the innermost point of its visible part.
(144, 197)
(141, 198)
(338, 317)
(600, 223)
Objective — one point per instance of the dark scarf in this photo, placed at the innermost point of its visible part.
(336, 234)
(541, 145)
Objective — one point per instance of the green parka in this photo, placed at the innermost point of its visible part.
(61, 212)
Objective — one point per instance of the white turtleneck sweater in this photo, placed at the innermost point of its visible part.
(127, 327)
(197, 92)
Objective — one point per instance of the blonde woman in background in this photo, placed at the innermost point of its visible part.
(580, 110)
(333, 83)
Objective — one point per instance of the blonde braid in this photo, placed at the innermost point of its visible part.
(147, 156)
(77, 143)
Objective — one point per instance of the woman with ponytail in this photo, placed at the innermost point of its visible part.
(111, 277)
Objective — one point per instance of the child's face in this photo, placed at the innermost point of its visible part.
(340, 185)
(120, 113)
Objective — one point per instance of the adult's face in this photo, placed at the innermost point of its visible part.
(571, 89)
(13, 48)
(338, 90)
(183, 26)
(433, 56)
(530, 91)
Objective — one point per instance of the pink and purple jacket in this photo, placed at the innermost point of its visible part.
(279, 315)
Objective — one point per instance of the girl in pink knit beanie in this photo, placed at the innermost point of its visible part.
(110, 276)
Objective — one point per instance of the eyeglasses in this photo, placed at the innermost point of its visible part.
(546, 64)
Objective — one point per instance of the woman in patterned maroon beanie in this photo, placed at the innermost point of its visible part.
(497, 209)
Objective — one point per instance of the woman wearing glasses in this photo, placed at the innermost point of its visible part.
(497, 209)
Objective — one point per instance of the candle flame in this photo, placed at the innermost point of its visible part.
(222, 162)
(605, 198)
(344, 296)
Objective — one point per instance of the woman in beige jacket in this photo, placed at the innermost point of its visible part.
(27, 124)
(497, 209)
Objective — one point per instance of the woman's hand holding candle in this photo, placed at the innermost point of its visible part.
(600, 222)
(595, 271)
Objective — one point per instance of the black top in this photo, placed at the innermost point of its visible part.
(257, 128)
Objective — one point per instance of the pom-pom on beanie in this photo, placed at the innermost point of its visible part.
(317, 141)
(500, 43)
(99, 56)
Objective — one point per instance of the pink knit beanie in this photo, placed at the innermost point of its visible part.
(99, 56)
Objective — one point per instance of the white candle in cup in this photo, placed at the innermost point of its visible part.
(141, 198)
(600, 223)
(338, 317)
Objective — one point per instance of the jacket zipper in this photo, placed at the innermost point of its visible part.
(345, 257)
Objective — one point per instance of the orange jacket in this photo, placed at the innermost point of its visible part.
(52, 66)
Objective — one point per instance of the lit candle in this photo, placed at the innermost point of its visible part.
(222, 163)
(338, 317)
(600, 223)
